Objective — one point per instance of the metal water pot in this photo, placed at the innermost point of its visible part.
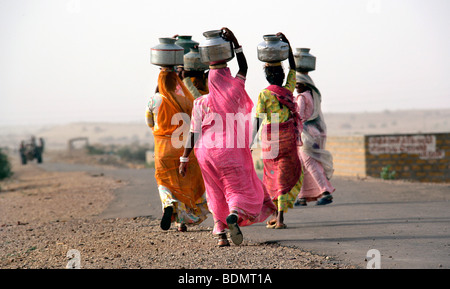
(193, 62)
(167, 53)
(304, 61)
(272, 49)
(186, 42)
(215, 48)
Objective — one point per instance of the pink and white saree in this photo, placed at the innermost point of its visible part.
(316, 160)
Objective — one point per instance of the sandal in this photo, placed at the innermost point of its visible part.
(166, 219)
(182, 228)
(271, 223)
(235, 232)
(223, 243)
(325, 200)
(282, 226)
(300, 202)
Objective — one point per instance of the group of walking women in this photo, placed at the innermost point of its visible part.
(214, 171)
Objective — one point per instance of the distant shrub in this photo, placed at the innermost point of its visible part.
(5, 166)
(387, 174)
(259, 165)
(95, 150)
(136, 153)
(128, 153)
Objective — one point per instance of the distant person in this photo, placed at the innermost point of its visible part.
(283, 170)
(236, 196)
(195, 81)
(317, 162)
(182, 199)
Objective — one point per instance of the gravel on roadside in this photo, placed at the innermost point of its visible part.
(44, 215)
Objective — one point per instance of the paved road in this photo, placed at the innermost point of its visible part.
(408, 223)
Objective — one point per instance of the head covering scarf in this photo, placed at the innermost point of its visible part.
(176, 99)
(306, 79)
(171, 86)
(225, 95)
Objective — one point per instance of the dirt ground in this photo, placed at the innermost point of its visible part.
(44, 215)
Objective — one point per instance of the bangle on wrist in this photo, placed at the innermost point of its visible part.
(184, 159)
(238, 50)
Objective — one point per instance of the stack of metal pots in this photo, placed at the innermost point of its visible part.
(193, 62)
(215, 49)
(167, 53)
(272, 49)
(304, 61)
(186, 42)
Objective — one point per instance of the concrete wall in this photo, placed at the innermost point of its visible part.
(421, 157)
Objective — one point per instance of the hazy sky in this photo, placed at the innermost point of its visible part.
(65, 61)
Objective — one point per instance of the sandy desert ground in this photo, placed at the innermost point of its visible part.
(44, 215)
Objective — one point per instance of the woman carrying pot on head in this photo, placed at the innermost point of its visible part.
(236, 197)
(193, 73)
(195, 80)
(182, 199)
(317, 162)
(276, 108)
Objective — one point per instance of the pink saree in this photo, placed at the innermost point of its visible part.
(223, 118)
